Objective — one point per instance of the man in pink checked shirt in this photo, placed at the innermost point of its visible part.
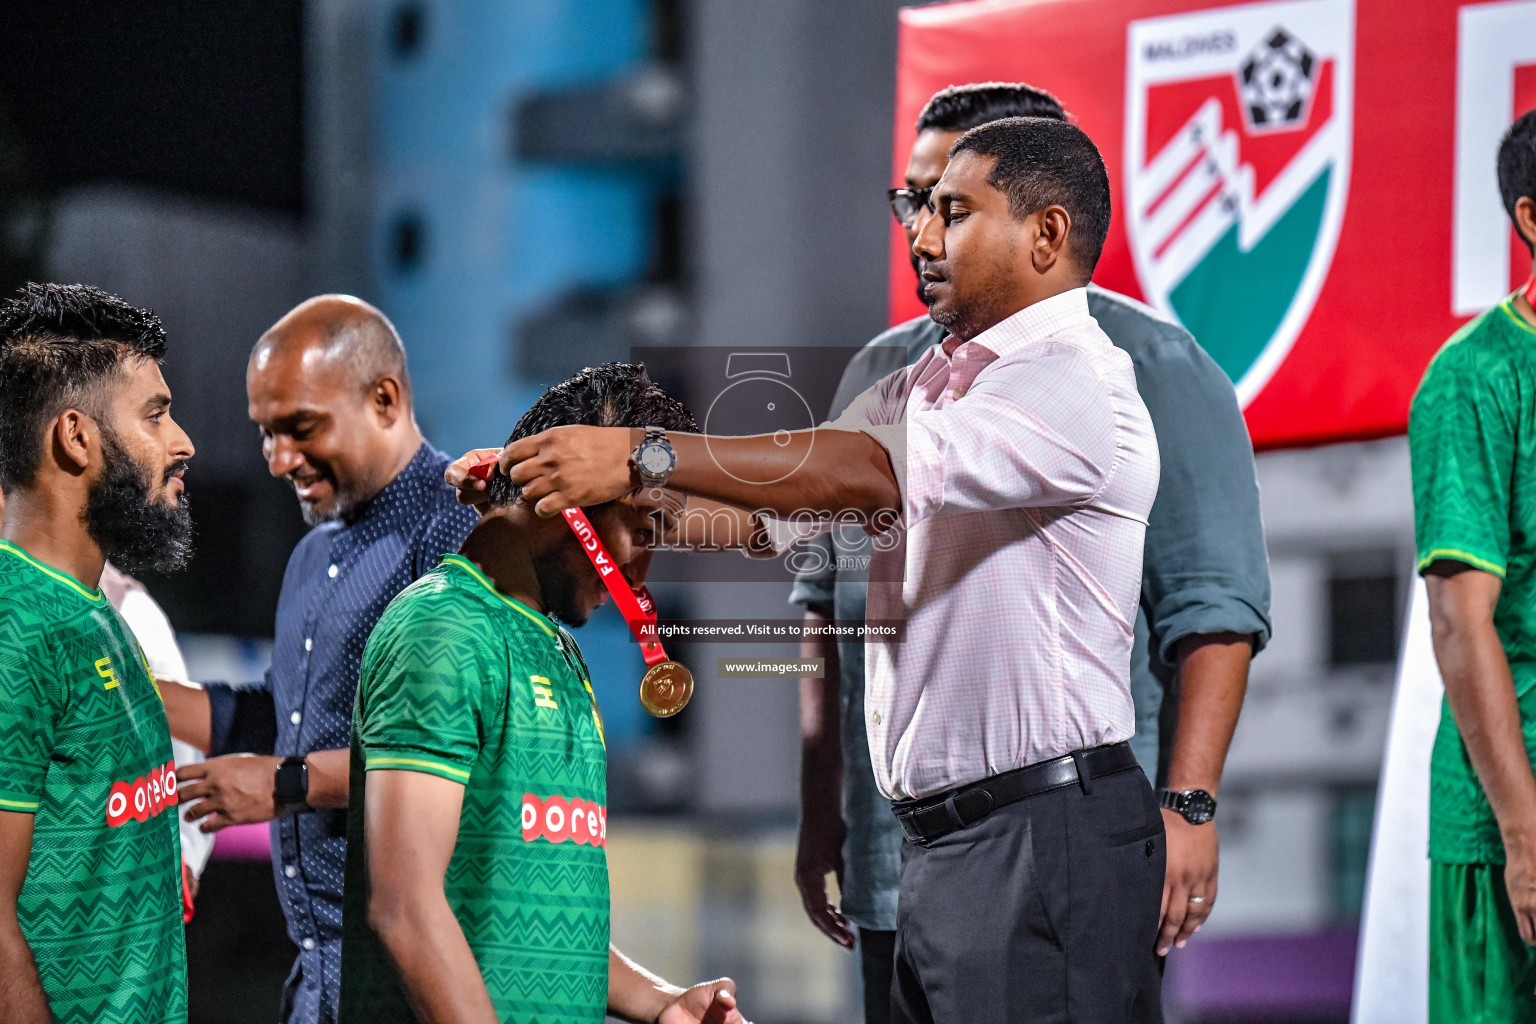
(1018, 464)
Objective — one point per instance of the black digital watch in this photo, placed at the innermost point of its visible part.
(291, 787)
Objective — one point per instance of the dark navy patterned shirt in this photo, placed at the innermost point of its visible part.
(339, 579)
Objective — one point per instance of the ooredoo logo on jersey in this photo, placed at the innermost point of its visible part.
(556, 819)
(144, 797)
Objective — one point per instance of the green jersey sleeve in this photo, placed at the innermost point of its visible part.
(30, 705)
(1462, 434)
(420, 692)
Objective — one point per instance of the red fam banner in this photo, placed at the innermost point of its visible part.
(1308, 186)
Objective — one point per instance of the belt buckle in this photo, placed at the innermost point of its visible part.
(909, 829)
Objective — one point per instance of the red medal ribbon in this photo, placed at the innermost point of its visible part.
(1530, 289)
(637, 607)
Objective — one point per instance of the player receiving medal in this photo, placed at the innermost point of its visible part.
(476, 880)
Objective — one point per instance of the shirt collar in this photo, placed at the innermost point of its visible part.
(58, 575)
(418, 477)
(1036, 322)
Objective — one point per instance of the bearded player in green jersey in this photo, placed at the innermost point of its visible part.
(476, 881)
(91, 465)
(1472, 436)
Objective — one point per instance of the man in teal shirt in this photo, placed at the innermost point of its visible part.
(1204, 604)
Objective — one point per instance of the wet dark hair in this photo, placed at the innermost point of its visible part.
(1517, 167)
(963, 107)
(610, 395)
(59, 343)
(1044, 162)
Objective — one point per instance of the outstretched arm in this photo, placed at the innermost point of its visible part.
(821, 470)
(702, 525)
(21, 990)
(411, 821)
(1040, 432)
(241, 789)
(188, 712)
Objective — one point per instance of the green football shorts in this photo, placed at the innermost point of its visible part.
(1480, 970)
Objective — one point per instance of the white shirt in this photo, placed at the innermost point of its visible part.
(153, 631)
(1027, 465)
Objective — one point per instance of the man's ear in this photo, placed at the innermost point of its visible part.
(1054, 226)
(388, 399)
(1525, 219)
(74, 437)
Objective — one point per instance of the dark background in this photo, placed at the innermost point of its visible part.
(203, 101)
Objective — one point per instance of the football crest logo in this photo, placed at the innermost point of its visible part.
(1238, 127)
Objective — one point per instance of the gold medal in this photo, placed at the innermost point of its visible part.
(665, 688)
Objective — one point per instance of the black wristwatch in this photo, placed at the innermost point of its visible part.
(292, 786)
(1196, 805)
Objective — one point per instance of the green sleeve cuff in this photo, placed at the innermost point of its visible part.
(408, 762)
(10, 800)
(1458, 555)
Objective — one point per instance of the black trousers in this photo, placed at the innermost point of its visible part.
(1044, 911)
(877, 963)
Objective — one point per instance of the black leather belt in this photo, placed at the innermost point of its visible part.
(932, 817)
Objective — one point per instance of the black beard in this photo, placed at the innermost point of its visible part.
(137, 534)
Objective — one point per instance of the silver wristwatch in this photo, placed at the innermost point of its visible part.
(653, 458)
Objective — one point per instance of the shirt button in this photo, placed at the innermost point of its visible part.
(290, 871)
(309, 643)
(332, 571)
(877, 718)
(295, 718)
(308, 943)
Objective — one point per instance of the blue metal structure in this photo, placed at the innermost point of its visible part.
(468, 239)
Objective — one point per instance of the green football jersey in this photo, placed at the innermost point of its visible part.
(85, 749)
(463, 682)
(1472, 438)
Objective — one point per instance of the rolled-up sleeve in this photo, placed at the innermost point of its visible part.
(1206, 568)
(1040, 433)
(815, 586)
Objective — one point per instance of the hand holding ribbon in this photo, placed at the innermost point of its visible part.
(667, 686)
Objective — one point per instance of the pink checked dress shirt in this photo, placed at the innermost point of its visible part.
(1027, 466)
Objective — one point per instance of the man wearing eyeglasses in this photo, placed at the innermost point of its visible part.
(1204, 603)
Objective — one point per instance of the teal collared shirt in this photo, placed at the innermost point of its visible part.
(1205, 570)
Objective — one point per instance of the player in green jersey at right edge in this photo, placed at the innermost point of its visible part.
(1472, 436)
(476, 879)
(90, 865)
